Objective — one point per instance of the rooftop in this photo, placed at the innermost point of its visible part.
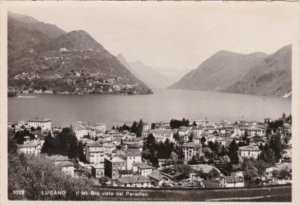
(133, 152)
(190, 144)
(249, 148)
(98, 166)
(143, 166)
(156, 175)
(161, 131)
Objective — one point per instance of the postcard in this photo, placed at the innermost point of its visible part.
(114, 102)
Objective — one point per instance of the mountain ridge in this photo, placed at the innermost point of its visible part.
(72, 62)
(226, 71)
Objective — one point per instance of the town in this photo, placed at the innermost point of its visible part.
(177, 154)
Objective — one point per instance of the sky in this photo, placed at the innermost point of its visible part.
(174, 34)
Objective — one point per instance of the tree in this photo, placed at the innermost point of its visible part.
(203, 140)
(134, 127)
(268, 155)
(48, 146)
(140, 128)
(20, 135)
(276, 145)
(245, 138)
(194, 124)
(124, 127)
(233, 152)
(152, 126)
(250, 171)
(150, 143)
(191, 137)
(283, 117)
(38, 173)
(81, 154)
(283, 174)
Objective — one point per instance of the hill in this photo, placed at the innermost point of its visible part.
(271, 76)
(147, 74)
(255, 73)
(25, 31)
(71, 63)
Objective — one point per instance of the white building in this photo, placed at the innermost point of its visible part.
(190, 150)
(161, 135)
(43, 123)
(64, 163)
(67, 168)
(108, 148)
(144, 169)
(183, 131)
(197, 131)
(92, 129)
(98, 170)
(30, 147)
(134, 181)
(94, 153)
(249, 152)
(202, 122)
(133, 156)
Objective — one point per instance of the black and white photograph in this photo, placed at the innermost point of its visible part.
(149, 101)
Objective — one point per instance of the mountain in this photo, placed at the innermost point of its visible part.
(25, 31)
(72, 62)
(255, 73)
(271, 76)
(146, 74)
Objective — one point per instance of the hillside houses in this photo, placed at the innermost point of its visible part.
(197, 155)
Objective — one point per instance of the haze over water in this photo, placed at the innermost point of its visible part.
(163, 105)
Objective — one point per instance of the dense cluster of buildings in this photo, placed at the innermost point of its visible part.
(115, 158)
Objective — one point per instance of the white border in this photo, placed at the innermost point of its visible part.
(3, 99)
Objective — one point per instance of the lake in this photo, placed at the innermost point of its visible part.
(163, 105)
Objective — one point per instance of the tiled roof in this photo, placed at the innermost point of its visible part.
(94, 144)
(117, 159)
(125, 172)
(132, 152)
(161, 131)
(190, 144)
(249, 148)
(156, 175)
(98, 166)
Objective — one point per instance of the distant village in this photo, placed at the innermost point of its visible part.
(176, 154)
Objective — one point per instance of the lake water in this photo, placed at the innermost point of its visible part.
(161, 106)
